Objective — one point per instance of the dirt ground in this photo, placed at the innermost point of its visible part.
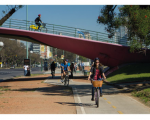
(33, 96)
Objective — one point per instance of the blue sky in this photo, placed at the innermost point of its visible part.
(73, 13)
(80, 16)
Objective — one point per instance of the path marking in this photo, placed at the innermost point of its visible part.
(114, 106)
(108, 102)
(105, 99)
(120, 112)
(79, 101)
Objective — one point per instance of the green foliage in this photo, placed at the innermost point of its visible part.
(13, 53)
(82, 58)
(135, 17)
(135, 72)
(134, 45)
(143, 94)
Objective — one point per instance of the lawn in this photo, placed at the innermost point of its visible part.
(144, 95)
(130, 73)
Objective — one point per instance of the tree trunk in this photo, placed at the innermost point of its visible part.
(7, 16)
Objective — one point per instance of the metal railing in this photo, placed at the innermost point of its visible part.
(66, 31)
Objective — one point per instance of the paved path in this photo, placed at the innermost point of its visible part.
(110, 103)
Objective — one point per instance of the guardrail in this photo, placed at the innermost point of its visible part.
(66, 31)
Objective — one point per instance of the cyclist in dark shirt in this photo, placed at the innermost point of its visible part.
(38, 20)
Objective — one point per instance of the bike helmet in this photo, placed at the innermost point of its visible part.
(67, 60)
(39, 14)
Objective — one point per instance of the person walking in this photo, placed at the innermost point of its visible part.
(71, 68)
(25, 67)
(75, 67)
(82, 66)
(53, 67)
(96, 73)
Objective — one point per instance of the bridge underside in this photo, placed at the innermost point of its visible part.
(110, 54)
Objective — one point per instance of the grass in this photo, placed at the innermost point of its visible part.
(144, 95)
(130, 73)
(4, 89)
(32, 75)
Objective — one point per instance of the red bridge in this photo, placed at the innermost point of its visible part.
(110, 54)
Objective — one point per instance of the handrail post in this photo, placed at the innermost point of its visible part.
(53, 28)
(10, 23)
(97, 36)
(75, 32)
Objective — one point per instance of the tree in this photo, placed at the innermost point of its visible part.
(13, 53)
(135, 17)
(68, 55)
(11, 10)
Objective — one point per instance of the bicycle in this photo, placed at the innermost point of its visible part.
(35, 27)
(97, 84)
(66, 81)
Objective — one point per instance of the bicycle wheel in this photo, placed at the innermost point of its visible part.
(65, 81)
(98, 94)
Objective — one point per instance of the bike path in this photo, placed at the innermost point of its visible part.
(111, 103)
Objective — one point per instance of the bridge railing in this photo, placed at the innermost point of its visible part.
(66, 31)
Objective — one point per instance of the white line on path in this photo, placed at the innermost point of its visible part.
(79, 100)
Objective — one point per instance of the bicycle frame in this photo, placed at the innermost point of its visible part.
(66, 78)
(96, 85)
(35, 27)
(97, 95)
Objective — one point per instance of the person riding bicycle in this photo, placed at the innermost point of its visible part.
(38, 20)
(96, 73)
(61, 66)
(65, 68)
(53, 66)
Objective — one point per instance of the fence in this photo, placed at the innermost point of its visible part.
(66, 31)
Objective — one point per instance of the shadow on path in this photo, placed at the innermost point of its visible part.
(77, 104)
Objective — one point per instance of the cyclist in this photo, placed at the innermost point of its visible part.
(65, 68)
(53, 66)
(96, 73)
(38, 20)
(61, 65)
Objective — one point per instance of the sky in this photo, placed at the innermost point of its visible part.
(79, 14)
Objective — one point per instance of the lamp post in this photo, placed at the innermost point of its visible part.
(27, 28)
(1, 46)
(30, 61)
(30, 58)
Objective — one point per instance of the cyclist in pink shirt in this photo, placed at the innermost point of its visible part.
(96, 73)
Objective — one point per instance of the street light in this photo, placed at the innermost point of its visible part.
(30, 59)
(1, 45)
